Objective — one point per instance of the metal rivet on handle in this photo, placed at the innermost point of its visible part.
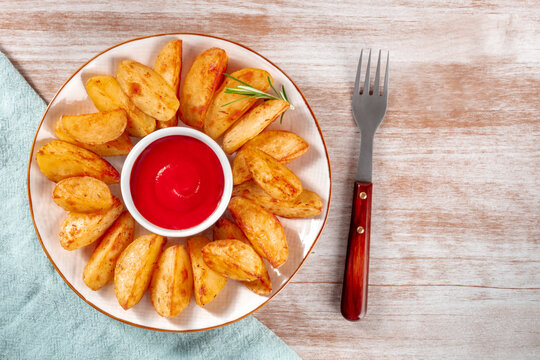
(363, 195)
(360, 230)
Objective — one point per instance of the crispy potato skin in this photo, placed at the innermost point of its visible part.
(207, 283)
(117, 147)
(307, 204)
(100, 268)
(262, 228)
(172, 282)
(134, 268)
(59, 160)
(147, 90)
(272, 176)
(82, 194)
(233, 259)
(169, 65)
(96, 128)
(80, 229)
(106, 94)
(218, 117)
(252, 123)
(227, 229)
(284, 146)
(202, 81)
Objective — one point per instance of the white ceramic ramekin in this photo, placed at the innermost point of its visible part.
(134, 154)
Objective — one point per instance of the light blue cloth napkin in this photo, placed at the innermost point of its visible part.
(40, 317)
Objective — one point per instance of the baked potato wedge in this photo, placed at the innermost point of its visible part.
(223, 112)
(120, 146)
(202, 81)
(252, 123)
(240, 170)
(227, 229)
(172, 282)
(271, 175)
(134, 268)
(234, 259)
(307, 204)
(106, 94)
(82, 194)
(262, 228)
(207, 283)
(96, 128)
(80, 229)
(169, 65)
(100, 268)
(59, 160)
(261, 286)
(284, 146)
(162, 124)
(147, 90)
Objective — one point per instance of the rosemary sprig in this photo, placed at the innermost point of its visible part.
(251, 92)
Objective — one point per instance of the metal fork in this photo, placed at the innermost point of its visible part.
(368, 109)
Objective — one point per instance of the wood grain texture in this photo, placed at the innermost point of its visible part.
(455, 237)
(354, 295)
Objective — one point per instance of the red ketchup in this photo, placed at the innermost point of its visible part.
(177, 182)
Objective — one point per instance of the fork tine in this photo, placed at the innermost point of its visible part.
(376, 90)
(366, 82)
(385, 90)
(357, 81)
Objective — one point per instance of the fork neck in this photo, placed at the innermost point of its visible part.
(365, 160)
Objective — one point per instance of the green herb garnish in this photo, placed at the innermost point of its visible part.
(251, 92)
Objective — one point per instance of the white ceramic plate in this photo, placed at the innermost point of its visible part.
(235, 301)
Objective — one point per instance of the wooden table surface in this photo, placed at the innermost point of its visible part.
(455, 255)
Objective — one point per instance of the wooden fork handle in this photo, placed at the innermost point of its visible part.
(355, 280)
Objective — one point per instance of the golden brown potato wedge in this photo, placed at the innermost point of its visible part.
(262, 228)
(202, 81)
(106, 94)
(59, 160)
(167, 123)
(234, 259)
(96, 128)
(100, 268)
(271, 175)
(307, 204)
(134, 268)
(169, 65)
(116, 147)
(82, 194)
(221, 116)
(207, 283)
(261, 286)
(80, 229)
(172, 282)
(147, 89)
(252, 123)
(240, 170)
(284, 146)
(227, 229)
